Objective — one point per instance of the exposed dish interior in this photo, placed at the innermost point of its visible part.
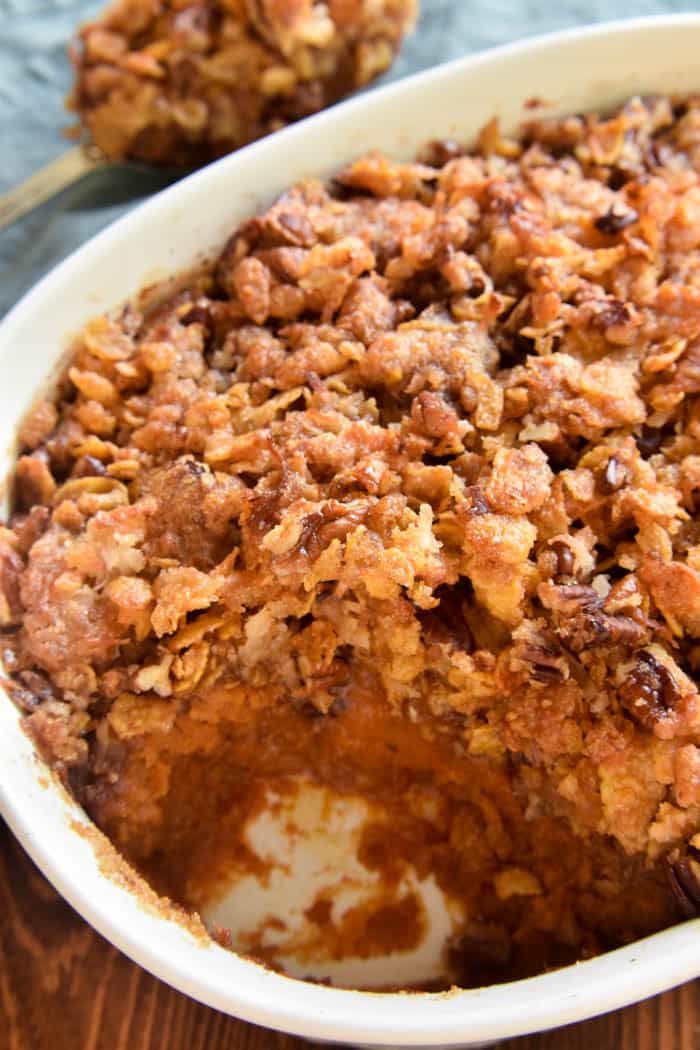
(393, 512)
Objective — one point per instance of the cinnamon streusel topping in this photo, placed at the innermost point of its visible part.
(183, 81)
(401, 496)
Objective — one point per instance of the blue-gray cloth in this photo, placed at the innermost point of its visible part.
(35, 77)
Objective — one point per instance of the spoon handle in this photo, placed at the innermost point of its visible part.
(62, 172)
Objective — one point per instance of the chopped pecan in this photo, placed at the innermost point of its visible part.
(615, 220)
(649, 691)
(623, 630)
(581, 621)
(684, 877)
(565, 562)
(545, 664)
(433, 416)
(309, 542)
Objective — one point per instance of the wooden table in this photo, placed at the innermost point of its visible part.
(62, 987)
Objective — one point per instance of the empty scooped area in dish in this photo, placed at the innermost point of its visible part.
(364, 849)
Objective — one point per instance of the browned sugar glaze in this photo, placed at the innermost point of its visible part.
(400, 496)
(183, 81)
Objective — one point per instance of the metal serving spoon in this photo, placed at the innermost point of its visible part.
(67, 171)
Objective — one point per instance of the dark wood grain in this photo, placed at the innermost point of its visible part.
(62, 987)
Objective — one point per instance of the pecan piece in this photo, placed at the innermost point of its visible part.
(433, 416)
(615, 220)
(684, 877)
(565, 561)
(649, 691)
(309, 542)
(544, 664)
(580, 620)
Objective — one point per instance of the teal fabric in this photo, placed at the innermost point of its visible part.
(35, 76)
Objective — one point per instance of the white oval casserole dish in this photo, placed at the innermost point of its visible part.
(572, 71)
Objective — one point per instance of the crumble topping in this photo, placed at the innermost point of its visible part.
(179, 82)
(400, 495)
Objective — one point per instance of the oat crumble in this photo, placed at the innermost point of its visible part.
(401, 495)
(180, 82)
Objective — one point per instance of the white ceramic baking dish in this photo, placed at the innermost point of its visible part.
(571, 71)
